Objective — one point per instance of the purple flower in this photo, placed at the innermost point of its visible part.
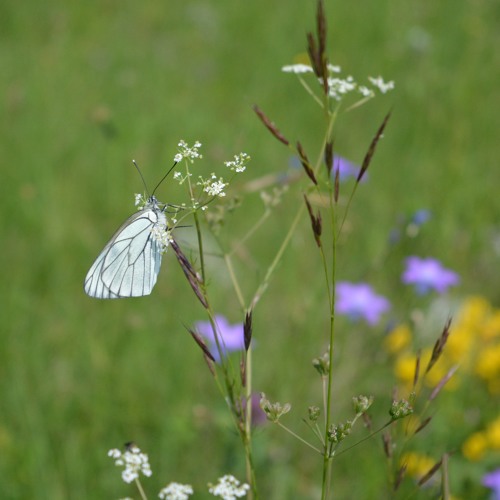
(230, 336)
(359, 301)
(492, 480)
(346, 168)
(428, 274)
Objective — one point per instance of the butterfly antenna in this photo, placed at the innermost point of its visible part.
(164, 177)
(142, 178)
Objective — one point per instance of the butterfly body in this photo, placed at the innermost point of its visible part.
(129, 264)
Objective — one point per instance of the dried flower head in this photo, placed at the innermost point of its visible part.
(400, 409)
(273, 411)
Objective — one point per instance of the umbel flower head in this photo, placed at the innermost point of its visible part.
(176, 491)
(133, 462)
(228, 488)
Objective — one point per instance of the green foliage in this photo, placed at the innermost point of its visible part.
(89, 86)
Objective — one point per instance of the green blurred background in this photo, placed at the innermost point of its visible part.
(88, 86)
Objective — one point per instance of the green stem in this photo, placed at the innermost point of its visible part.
(139, 487)
(265, 282)
(302, 440)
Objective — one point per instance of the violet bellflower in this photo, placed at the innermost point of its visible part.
(346, 168)
(230, 336)
(360, 302)
(428, 274)
(492, 481)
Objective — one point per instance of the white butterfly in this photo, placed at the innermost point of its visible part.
(130, 262)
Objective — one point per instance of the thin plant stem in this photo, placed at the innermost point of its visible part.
(311, 92)
(245, 429)
(327, 461)
(229, 264)
(251, 231)
(139, 487)
(302, 440)
(265, 282)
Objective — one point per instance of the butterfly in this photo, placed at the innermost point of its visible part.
(129, 264)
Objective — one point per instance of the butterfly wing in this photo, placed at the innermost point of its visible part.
(129, 264)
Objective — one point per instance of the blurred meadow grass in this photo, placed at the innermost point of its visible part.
(87, 87)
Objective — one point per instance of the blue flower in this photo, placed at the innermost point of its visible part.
(359, 301)
(428, 274)
(230, 336)
(409, 225)
(492, 480)
(421, 216)
(346, 168)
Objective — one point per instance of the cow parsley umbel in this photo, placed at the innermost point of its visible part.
(229, 488)
(176, 491)
(133, 461)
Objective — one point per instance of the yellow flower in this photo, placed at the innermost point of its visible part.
(474, 311)
(398, 339)
(475, 446)
(493, 434)
(491, 327)
(417, 465)
(460, 344)
(405, 367)
(488, 363)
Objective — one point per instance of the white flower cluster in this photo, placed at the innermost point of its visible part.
(140, 201)
(133, 462)
(212, 186)
(181, 178)
(297, 68)
(176, 491)
(162, 235)
(381, 85)
(238, 165)
(338, 87)
(185, 151)
(229, 488)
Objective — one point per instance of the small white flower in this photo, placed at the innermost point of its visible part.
(140, 201)
(365, 91)
(216, 188)
(212, 186)
(338, 87)
(238, 165)
(297, 68)
(229, 488)
(332, 68)
(163, 236)
(381, 85)
(185, 151)
(114, 453)
(134, 462)
(176, 491)
(129, 475)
